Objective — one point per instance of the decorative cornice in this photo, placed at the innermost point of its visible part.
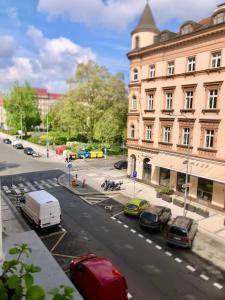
(189, 86)
(166, 119)
(215, 121)
(148, 119)
(188, 120)
(169, 87)
(150, 90)
(213, 83)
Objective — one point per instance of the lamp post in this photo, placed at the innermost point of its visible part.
(186, 185)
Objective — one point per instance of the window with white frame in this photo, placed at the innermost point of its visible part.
(188, 99)
(186, 29)
(170, 68)
(212, 99)
(191, 64)
(132, 132)
(219, 18)
(135, 74)
(169, 99)
(148, 133)
(152, 71)
(166, 134)
(134, 103)
(209, 138)
(186, 136)
(216, 59)
(150, 101)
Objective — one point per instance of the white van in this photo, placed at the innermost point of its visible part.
(42, 209)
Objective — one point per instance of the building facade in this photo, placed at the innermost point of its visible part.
(176, 116)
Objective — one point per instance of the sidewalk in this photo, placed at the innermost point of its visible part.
(210, 240)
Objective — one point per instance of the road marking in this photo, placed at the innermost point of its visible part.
(118, 213)
(59, 240)
(140, 235)
(192, 269)
(129, 296)
(204, 277)
(51, 234)
(178, 260)
(125, 226)
(217, 285)
(45, 184)
(158, 247)
(113, 218)
(22, 186)
(132, 230)
(6, 189)
(52, 182)
(119, 222)
(39, 185)
(30, 186)
(61, 255)
(149, 241)
(168, 253)
(93, 202)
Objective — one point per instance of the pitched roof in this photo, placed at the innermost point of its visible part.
(147, 22)
(55, 96)
(40, 91)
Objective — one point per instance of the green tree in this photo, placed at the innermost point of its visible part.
(22, 100)
(95, 104)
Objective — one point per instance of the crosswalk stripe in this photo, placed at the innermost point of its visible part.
(16, 189)
(22, 186)
(30, 185)
(38, 185)
(6, 189)
(52, 182)
(45, 184)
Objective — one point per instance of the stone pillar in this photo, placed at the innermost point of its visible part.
(193, 187)
(218, 196)
(173, 180)
(155, 175)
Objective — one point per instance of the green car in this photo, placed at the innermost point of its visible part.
(135, 206)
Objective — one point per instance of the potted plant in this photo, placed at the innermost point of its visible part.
(178, 202)
(202, 212)
(166, 193)
(191, 207)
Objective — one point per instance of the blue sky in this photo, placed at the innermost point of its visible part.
(42, 41)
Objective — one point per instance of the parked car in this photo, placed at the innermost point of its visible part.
(18, 146)
(121, 164)
(7, 141)
(36, 154)
(28, 151)
(96, 278)
(181, 232)
(155, 217)
(135, 207)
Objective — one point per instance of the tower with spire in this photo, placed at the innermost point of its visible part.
(145, 31)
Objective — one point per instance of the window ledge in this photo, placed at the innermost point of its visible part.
(147, 141)
(187, 110)
(208, 110)
(207, 149)
(149, 110)
(184, 146)
(164, 143)
(132, 139)
(167, 111)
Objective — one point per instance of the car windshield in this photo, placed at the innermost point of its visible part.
(178, 231)
(29, 149)
(131, 206)
(149, 216)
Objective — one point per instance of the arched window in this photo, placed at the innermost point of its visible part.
(134, 103)
(135, 74)
(219, 18)
(137, 41)
(132, 132)
(147, 169)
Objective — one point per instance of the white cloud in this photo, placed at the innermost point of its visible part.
(117, 14)
(7, 49)
(54, 63)
(13, 16)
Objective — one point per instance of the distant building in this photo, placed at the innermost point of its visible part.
(177, 106)
(46, 99)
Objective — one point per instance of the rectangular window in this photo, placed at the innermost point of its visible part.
(209, 138)
(186, 136)
(150, 102)
(170, 68)
(169, 98)
(216, 59)
(188, 100)
(166, 134)
(148, 133)
(134, 103)
(212, 99)
(152, 71)
(132, 132)
(191, 64)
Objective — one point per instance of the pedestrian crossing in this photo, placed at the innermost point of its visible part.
(30, 186)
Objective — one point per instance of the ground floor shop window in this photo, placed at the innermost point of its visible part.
(164, 177)
(181, 179)
(147, 169)
(133, 163)
(205, 189)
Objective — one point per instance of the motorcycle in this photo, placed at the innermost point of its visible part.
(111, 185)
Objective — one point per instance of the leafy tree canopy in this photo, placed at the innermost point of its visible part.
(22, 101)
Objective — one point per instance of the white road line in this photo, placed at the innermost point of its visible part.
(22, 186)
(6, 189)
(129, 296)
(217, 285)
(30, 186)
(140, 235)
(132, 230)
(158, 247)
(52, 182)
(39, 185)
(119, 222)
(119, 213)
(204, 277)
(125, 226)
(55, 179)
(168, 253)
(192, 269)
(178, 260)
(149, 241)
(46, 184)
(113, 218)
(93, 202)
(16, 189)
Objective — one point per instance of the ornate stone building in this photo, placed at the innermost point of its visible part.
(176, 116)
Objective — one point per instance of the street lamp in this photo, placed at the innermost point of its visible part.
(186, 185)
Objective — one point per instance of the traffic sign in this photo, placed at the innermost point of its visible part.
(134, 174)
(69, 165)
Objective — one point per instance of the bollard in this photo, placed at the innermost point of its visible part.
(84, 182)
